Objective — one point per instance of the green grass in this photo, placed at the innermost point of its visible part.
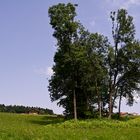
(29, 127)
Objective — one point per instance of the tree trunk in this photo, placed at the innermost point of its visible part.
(75, 108)
(87, 104)
(110, 101)
(119, 109)
(115, 96)
(110, 106)
(99, 101)
(100, 109)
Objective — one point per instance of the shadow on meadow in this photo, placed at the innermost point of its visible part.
(46, 120)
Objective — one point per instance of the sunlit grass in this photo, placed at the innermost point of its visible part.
(30, 127)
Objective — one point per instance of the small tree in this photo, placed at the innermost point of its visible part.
(120, 63)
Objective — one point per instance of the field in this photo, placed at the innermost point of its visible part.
(35, 127)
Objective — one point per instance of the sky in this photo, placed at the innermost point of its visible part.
(27, 46)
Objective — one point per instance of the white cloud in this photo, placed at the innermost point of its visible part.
(114, 3)
(49, 71)
(137, 98)
(45, 71)
(126, 4)
(92, 23)
(136, 2)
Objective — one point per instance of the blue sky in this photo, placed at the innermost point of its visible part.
(27, 46)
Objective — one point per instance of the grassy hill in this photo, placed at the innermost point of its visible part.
(41, 127)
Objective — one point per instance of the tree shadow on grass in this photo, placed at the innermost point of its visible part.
(46, 120)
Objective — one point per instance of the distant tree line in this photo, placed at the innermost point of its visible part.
(92, 75)
(23, 109)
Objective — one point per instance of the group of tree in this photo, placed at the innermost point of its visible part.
(91, 75)
(23, 109)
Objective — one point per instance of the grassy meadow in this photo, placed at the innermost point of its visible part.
(37, 127)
